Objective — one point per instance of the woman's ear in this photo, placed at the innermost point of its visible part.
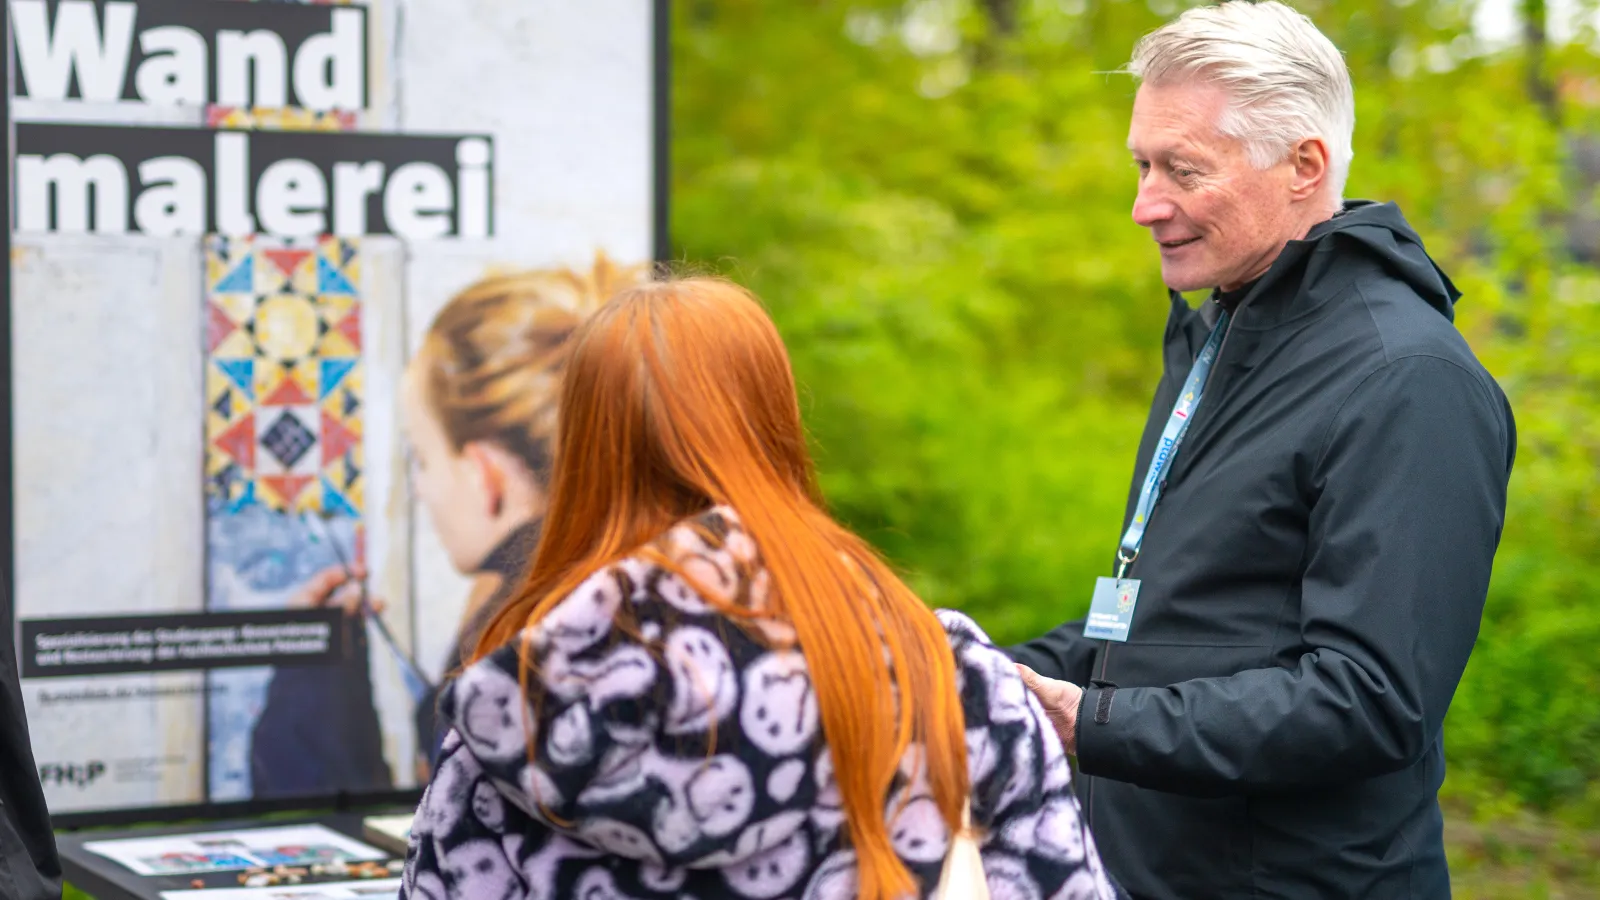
(490, 475)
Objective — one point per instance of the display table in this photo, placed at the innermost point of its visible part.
(106, 879)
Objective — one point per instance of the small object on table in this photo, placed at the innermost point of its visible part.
(368, 870)
(261, 880)
(197, 883)
(391, 833)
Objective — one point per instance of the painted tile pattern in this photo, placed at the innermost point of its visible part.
(284, 391)
(290, 118)
(283, 376)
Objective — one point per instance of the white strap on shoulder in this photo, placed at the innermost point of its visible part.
(962, 877)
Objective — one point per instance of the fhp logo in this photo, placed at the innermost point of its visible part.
(78, 775)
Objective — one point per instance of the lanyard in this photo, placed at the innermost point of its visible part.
(1171, 438)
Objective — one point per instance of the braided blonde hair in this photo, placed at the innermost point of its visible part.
(492, 360)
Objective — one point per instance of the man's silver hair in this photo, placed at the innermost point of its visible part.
(1287, 81)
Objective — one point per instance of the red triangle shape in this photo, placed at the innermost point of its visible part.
(218, 327)
(351, 327)
(286, 260)
(336, 438)
(239, 441)
(287, 486)
(288, 393)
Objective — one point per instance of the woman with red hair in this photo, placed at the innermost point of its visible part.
(706, 687)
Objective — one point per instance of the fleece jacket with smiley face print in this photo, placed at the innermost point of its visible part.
(679, 756)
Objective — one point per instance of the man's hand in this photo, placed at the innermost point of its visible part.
(1060, 700)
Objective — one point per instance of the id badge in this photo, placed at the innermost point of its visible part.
(1111, 610)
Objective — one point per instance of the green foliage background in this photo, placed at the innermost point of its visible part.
(932, 197)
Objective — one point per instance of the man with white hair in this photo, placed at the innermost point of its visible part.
(1257, 694)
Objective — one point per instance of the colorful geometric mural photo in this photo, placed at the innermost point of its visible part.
(283, 376)
(284, 392)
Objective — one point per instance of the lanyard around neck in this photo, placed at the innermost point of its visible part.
(1171, 439)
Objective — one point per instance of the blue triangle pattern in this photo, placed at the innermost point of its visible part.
(242, 280)
(333, 372)
(241, 372)
(332, 281)
(335, 503)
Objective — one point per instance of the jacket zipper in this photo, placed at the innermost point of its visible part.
(1105, 653)
(1105, 660)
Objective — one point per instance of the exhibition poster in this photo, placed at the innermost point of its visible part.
(232, 223)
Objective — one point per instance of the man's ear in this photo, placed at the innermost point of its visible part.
(1311, 164)
(491, 477)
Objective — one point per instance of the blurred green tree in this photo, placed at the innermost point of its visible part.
(932, 197)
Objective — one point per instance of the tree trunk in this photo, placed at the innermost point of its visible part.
(1002, 16)
(1536, 43)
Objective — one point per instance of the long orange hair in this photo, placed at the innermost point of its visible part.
(678, 396)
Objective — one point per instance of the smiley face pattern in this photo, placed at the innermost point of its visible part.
(678, 756)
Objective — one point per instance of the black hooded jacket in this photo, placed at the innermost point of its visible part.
(1312, 583)
(29, 866)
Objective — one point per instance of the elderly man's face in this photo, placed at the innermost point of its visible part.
(1220, 222)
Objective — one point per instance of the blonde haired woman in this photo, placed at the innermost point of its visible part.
(478, 404)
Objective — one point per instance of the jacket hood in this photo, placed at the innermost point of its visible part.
(623, 713)
(1379, 233)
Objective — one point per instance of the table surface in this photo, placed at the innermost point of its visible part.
(105, 879)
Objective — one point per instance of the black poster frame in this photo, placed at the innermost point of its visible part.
(661, 250)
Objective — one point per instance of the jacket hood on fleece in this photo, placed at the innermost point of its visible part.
(1376, 231)
(647, 746)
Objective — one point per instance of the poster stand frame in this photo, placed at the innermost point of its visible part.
(86, 870)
